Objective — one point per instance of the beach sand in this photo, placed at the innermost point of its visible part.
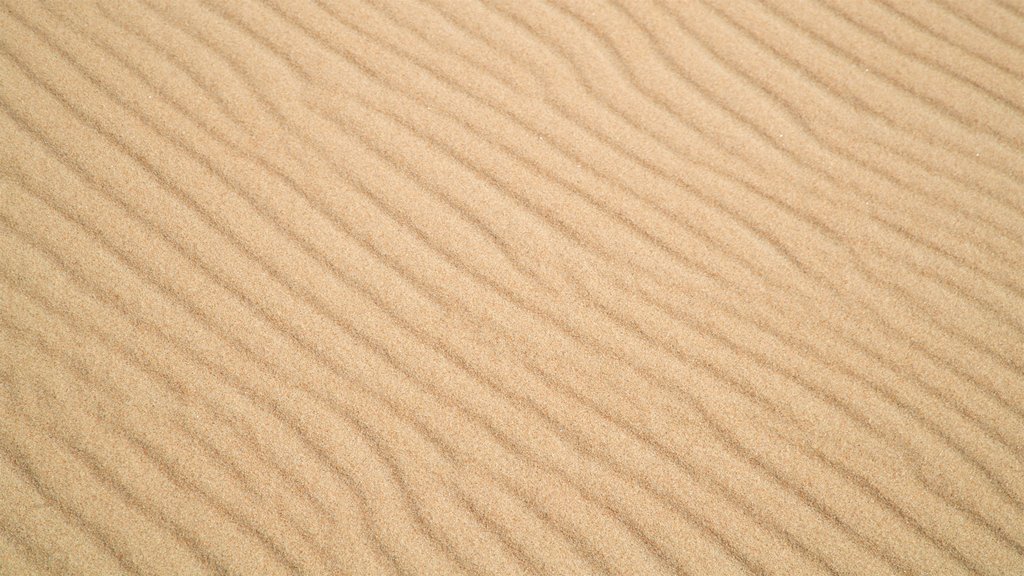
(503, 287)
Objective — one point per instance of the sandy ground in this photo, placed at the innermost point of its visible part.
(512, 287)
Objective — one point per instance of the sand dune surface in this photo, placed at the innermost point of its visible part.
(560, 287)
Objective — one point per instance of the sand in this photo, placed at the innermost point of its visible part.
(503, 287)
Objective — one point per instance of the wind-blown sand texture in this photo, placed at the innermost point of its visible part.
(512, 287)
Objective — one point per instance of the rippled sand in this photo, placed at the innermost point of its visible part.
(512, 287)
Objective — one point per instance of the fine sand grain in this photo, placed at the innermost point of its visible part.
(637, 287)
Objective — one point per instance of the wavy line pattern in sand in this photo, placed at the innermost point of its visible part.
(506, 287)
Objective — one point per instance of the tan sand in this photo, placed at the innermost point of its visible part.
(512, 287)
